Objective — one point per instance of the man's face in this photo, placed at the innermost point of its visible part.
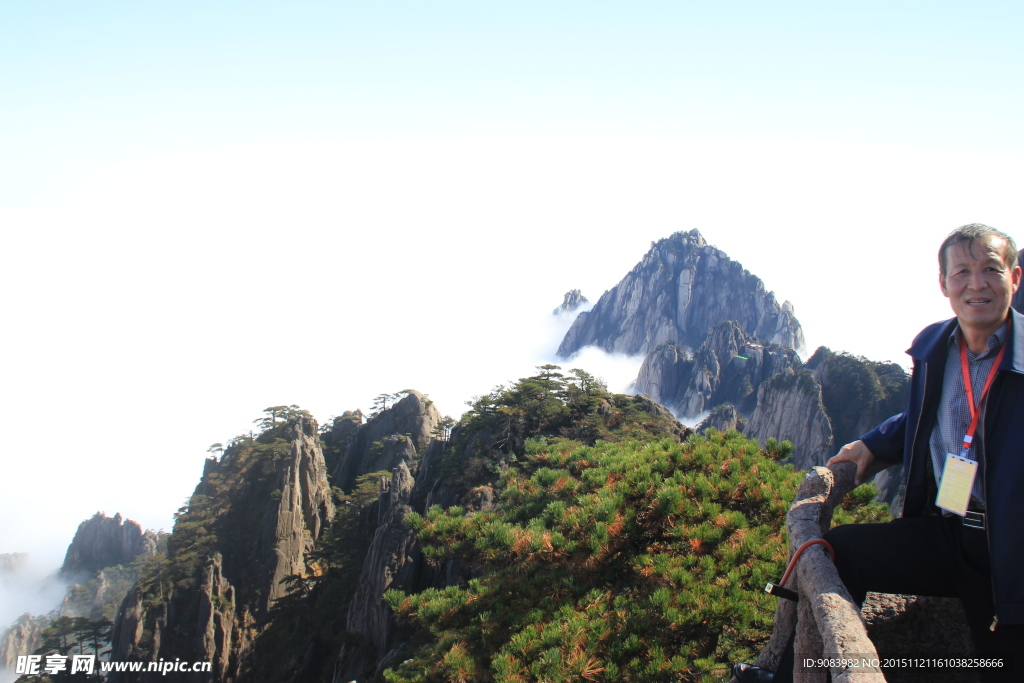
(978, 283)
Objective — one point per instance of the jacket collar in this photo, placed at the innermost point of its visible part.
(932, 345)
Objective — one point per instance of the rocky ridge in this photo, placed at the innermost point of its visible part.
(376, 445)
(680, 290)
(21, 638)
(573, 300)
(102, 542)
(716, 344)
(269, 501)
(789, 408)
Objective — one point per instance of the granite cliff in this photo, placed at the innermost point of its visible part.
(573, 300)
(21, 638)
(680, 290)
(399, 434)
(102, 542)
(716, 344)
(100, 566)
(728, 367)
(270, 581)
(249, 525)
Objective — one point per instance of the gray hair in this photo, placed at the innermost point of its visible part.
(974, 232)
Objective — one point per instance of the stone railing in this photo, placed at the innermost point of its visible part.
(828, 623)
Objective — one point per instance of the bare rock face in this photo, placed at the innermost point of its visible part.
(23, 637)
(665, 372)
(304, 510)
(858, 394)
(12, 562)
(679, 291)
(221, 632)
(573, 299)
(391, 562)
(789, 408)
(901, 624)
(728, 368)
(414, 416)
(341, 436)
(103, 541)
(212, 616)
(723, 418)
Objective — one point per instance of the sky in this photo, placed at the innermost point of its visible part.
(209, 208)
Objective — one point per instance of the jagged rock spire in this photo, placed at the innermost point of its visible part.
(680, 289)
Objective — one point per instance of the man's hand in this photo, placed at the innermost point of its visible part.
(859, 454)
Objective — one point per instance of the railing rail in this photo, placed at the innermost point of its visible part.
(827, 622)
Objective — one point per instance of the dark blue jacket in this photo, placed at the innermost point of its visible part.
(905, 437)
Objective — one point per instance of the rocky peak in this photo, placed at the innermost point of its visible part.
(391, 561)
(727, 368)
(21, 638)
(12, 562)
(103, 541)
(273, 502)
(304, 509)
(665, 373)
(789, 407)
(399, 433)
(680, 289)
(339, 436)
(573, 299)
(723, 418)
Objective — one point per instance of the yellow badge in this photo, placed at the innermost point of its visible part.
(957, 482)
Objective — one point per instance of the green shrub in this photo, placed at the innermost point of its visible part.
(629, 561)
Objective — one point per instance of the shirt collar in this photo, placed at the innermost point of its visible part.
(997, 339)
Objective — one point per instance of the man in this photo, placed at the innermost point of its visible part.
(961, 443)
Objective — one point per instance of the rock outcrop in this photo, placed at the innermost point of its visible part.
(857, 393)
(665, 373)
(573, 299)
(727, 368)
(723, 418)
(22, 638)
(680, 289)
(414, 416)
(391, 562)
(12, 562)
(789, 408)
(304, 510)
(148, 628)
(102, 542)
(274, 501)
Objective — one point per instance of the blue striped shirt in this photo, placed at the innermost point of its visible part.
(954, 412)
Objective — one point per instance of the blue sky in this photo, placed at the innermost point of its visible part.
(89, 82)
(210, 208)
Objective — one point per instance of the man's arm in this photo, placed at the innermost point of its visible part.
(876, 450)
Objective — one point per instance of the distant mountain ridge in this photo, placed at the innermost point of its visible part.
(680, 290)
(717, 344)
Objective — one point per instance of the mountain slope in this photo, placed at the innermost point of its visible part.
(680, 290)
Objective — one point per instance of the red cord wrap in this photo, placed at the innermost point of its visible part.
(799, 552)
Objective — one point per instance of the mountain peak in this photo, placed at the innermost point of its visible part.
(679, 290)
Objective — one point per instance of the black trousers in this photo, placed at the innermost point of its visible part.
(935, 556)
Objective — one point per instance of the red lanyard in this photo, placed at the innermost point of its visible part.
(975, 407)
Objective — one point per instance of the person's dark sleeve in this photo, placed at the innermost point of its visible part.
(886, 440)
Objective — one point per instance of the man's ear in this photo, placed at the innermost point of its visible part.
(1015, 278)
(945, 292)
